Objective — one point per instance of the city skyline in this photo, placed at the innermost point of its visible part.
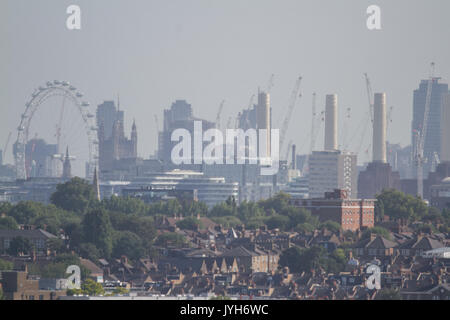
(206, 60)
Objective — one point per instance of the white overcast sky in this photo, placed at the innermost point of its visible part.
(153, 52)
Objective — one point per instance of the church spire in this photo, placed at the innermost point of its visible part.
(67, 168)
(96, 184)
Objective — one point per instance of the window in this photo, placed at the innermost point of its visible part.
(31, 298)
(41, 297)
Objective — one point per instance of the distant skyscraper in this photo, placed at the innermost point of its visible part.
(179, 116)
(445, 128)
(330, 170)
(113, 144)
(433, 137)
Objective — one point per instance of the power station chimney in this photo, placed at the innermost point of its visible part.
(445, 127)
(263, 117)
(331, 121)
(379, 128)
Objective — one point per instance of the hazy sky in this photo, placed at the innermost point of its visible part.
(154, 52)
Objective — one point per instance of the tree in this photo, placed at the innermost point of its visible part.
(278, 221)
(97, 229)
(190, 223)
(141, 226)
(389, 294)
(332, 226)
(126, 205)
(75, 195)
(398, 205)
(20, 246)
(92, 288)
(129, 244)
(249, 210)
(378, 231)
(8, 223)
(89, 251)
(6, 265)
(227, 221)
(171, 239)
(56, 245)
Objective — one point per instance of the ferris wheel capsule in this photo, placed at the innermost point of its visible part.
(72, 88)
(90, 115)
(85, 104)
(49, 84)
(79, 94)
(65, 83)
(57, 82)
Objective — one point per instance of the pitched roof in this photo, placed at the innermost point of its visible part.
(35, 233)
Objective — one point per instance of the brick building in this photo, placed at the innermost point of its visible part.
(351, 214)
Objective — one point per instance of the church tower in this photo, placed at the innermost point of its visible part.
(67, 168)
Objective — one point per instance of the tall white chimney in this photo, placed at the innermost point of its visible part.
(331, 120)
(379, 128)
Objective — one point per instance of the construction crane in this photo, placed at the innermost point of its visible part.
(389, 117)
(295, 94)
(370, 116)
(250, 104)
(270, 84)
(419, 157)
(219, 114)
(288, 150)
(5, 148)
(315, 127)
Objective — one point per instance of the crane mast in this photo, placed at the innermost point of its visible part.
(293, 100)
(219, 114)
(421, 136)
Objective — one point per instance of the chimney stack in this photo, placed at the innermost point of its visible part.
(379, 128)
(331, 122)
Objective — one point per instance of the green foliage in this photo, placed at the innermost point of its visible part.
(57, 268)
(378, 231)
(120, 290)
(129, 244)
(250, 211)
(166, 208)
(332, 226)
(227, 221)
(190, 223)
(91, 288)
(56, 245)
(89, 251)
(20, 246)
(8, 223)
(97, 229)
(300, 260)
(279, 204)
(398, 205)
(75, 195)
(389, 294)
(278, 221)
(220, 298)
(171, 239)
(6, 265)
(125, 205)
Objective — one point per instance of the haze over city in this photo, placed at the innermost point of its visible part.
(152, 53)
